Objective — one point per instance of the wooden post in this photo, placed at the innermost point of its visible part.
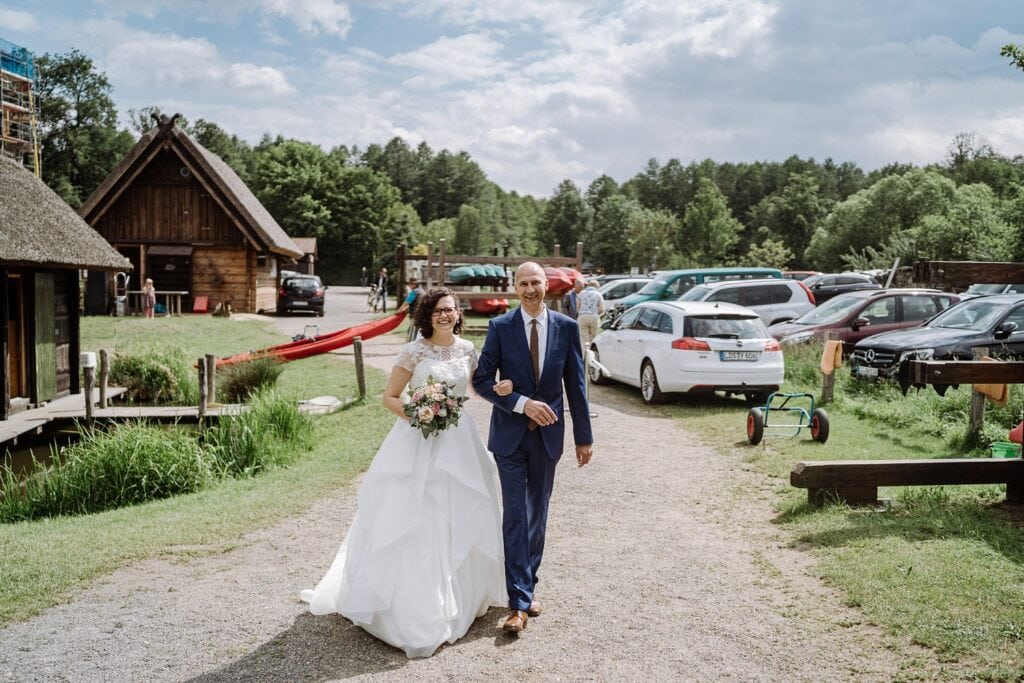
(90, 384)
(357, 350)
(104, 376)
(440, 260)
(828, 382)
(211, 378)
(201, 411)
(558, 251)
(977, 416)
(429, 273)
(579, 256)
(402, 279)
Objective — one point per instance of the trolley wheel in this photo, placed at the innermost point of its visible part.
(819, 425)
(755, 425)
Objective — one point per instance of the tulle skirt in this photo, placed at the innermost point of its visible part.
(423, 557)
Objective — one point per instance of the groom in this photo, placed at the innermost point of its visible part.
(539, 350)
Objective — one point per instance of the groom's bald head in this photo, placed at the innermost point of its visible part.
(528, 269)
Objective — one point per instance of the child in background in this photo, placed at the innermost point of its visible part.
(148, 298)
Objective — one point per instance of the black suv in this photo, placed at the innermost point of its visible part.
(992, 322)
(824, 286)
(301, 293)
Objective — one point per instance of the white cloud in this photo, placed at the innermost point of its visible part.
(139, 59)
(16, 20)
(313, 16)
(469, 57)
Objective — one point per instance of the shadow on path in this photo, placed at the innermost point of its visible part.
(323, 648)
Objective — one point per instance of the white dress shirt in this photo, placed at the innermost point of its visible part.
(542, 344)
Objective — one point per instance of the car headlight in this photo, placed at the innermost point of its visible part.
(798, 338)
(917, 354)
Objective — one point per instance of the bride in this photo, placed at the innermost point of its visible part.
(423, 557)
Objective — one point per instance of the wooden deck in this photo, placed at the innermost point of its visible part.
(32, 422)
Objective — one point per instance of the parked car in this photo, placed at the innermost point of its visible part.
(689, 346)
(669, 285)
(605, 278)
(857, 315)
(988, 289)
(799, 274)
(774, 300)
(827, 285)
(615, 291)
(992, 322)
(301, 293)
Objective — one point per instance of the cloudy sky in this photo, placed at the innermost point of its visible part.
(541, 90)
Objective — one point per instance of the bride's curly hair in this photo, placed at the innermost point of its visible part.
(422, 319)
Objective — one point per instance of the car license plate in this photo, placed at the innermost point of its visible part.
(739, 355)
(300, 303)
(867, 371)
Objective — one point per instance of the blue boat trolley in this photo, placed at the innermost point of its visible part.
(785, 407)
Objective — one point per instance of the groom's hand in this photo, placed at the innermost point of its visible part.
(540, 412)
(583, 454)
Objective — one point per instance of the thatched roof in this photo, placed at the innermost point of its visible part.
(254, 221)
(306, 244)
(37, 228)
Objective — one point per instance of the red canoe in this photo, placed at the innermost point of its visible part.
(487, 306)
(323, 343)
(559, 282)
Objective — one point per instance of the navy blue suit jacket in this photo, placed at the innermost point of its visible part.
(507, 352)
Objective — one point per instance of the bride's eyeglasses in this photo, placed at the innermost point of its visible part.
(438, 312)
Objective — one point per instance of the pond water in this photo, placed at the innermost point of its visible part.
(40, 447)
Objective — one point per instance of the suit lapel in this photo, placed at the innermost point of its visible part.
(520, 341)
(550, 343)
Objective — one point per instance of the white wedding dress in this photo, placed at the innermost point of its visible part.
(423, 557)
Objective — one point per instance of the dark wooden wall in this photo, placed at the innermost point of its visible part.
(167, 205)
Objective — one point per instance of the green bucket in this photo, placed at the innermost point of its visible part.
(1005, 449)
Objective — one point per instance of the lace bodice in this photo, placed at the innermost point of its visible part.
(454, 363)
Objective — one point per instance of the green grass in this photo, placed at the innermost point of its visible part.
(941, 567)
(43, 562)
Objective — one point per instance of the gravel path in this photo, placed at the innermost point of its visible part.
(661, 564)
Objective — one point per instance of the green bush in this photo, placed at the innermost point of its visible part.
(129, 464)
(238, 382)
(159, 376)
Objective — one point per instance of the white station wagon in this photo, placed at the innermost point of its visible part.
(689, 346)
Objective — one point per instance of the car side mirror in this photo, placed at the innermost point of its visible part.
(1005, 330)
(607, 325)
(816, 285)
(859, 323)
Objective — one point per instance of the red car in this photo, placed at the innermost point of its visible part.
(856, 315)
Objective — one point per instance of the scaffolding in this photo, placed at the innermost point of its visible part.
(19, 105)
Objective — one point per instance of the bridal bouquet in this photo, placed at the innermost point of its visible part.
(434, 407)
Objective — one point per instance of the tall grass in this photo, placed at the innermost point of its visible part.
(269, 434)
(135, 462)
(238, 382)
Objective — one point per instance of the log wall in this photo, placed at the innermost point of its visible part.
(223, 274)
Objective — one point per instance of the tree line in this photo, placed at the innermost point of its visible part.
(361, 203)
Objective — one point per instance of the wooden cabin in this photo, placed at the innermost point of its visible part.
(306, 264)
(186, 220)
(44, 246)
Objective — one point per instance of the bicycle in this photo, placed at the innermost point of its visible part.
(372, 299)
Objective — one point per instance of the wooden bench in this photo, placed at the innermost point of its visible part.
(856, 482)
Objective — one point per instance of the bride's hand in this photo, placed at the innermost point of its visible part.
(503, 388)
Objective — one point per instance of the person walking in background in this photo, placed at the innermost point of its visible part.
(416, 293)
(590, 307)
(364, 278)
(570, 302)
(382, 290)
(148, 298)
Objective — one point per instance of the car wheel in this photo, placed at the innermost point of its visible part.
(755, 426)
(320, 314)
(819, 425)
(596, 376)
(649, 388)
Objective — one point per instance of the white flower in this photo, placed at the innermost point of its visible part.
(425, 413)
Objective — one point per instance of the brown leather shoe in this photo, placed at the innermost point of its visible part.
(515, 622)
(535, 609)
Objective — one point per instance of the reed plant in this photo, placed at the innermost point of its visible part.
(237, 383)
(157, 375)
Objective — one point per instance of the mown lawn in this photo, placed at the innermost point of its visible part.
(941, 567)
(43, 562)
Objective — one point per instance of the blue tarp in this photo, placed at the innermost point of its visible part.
(17, 60)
